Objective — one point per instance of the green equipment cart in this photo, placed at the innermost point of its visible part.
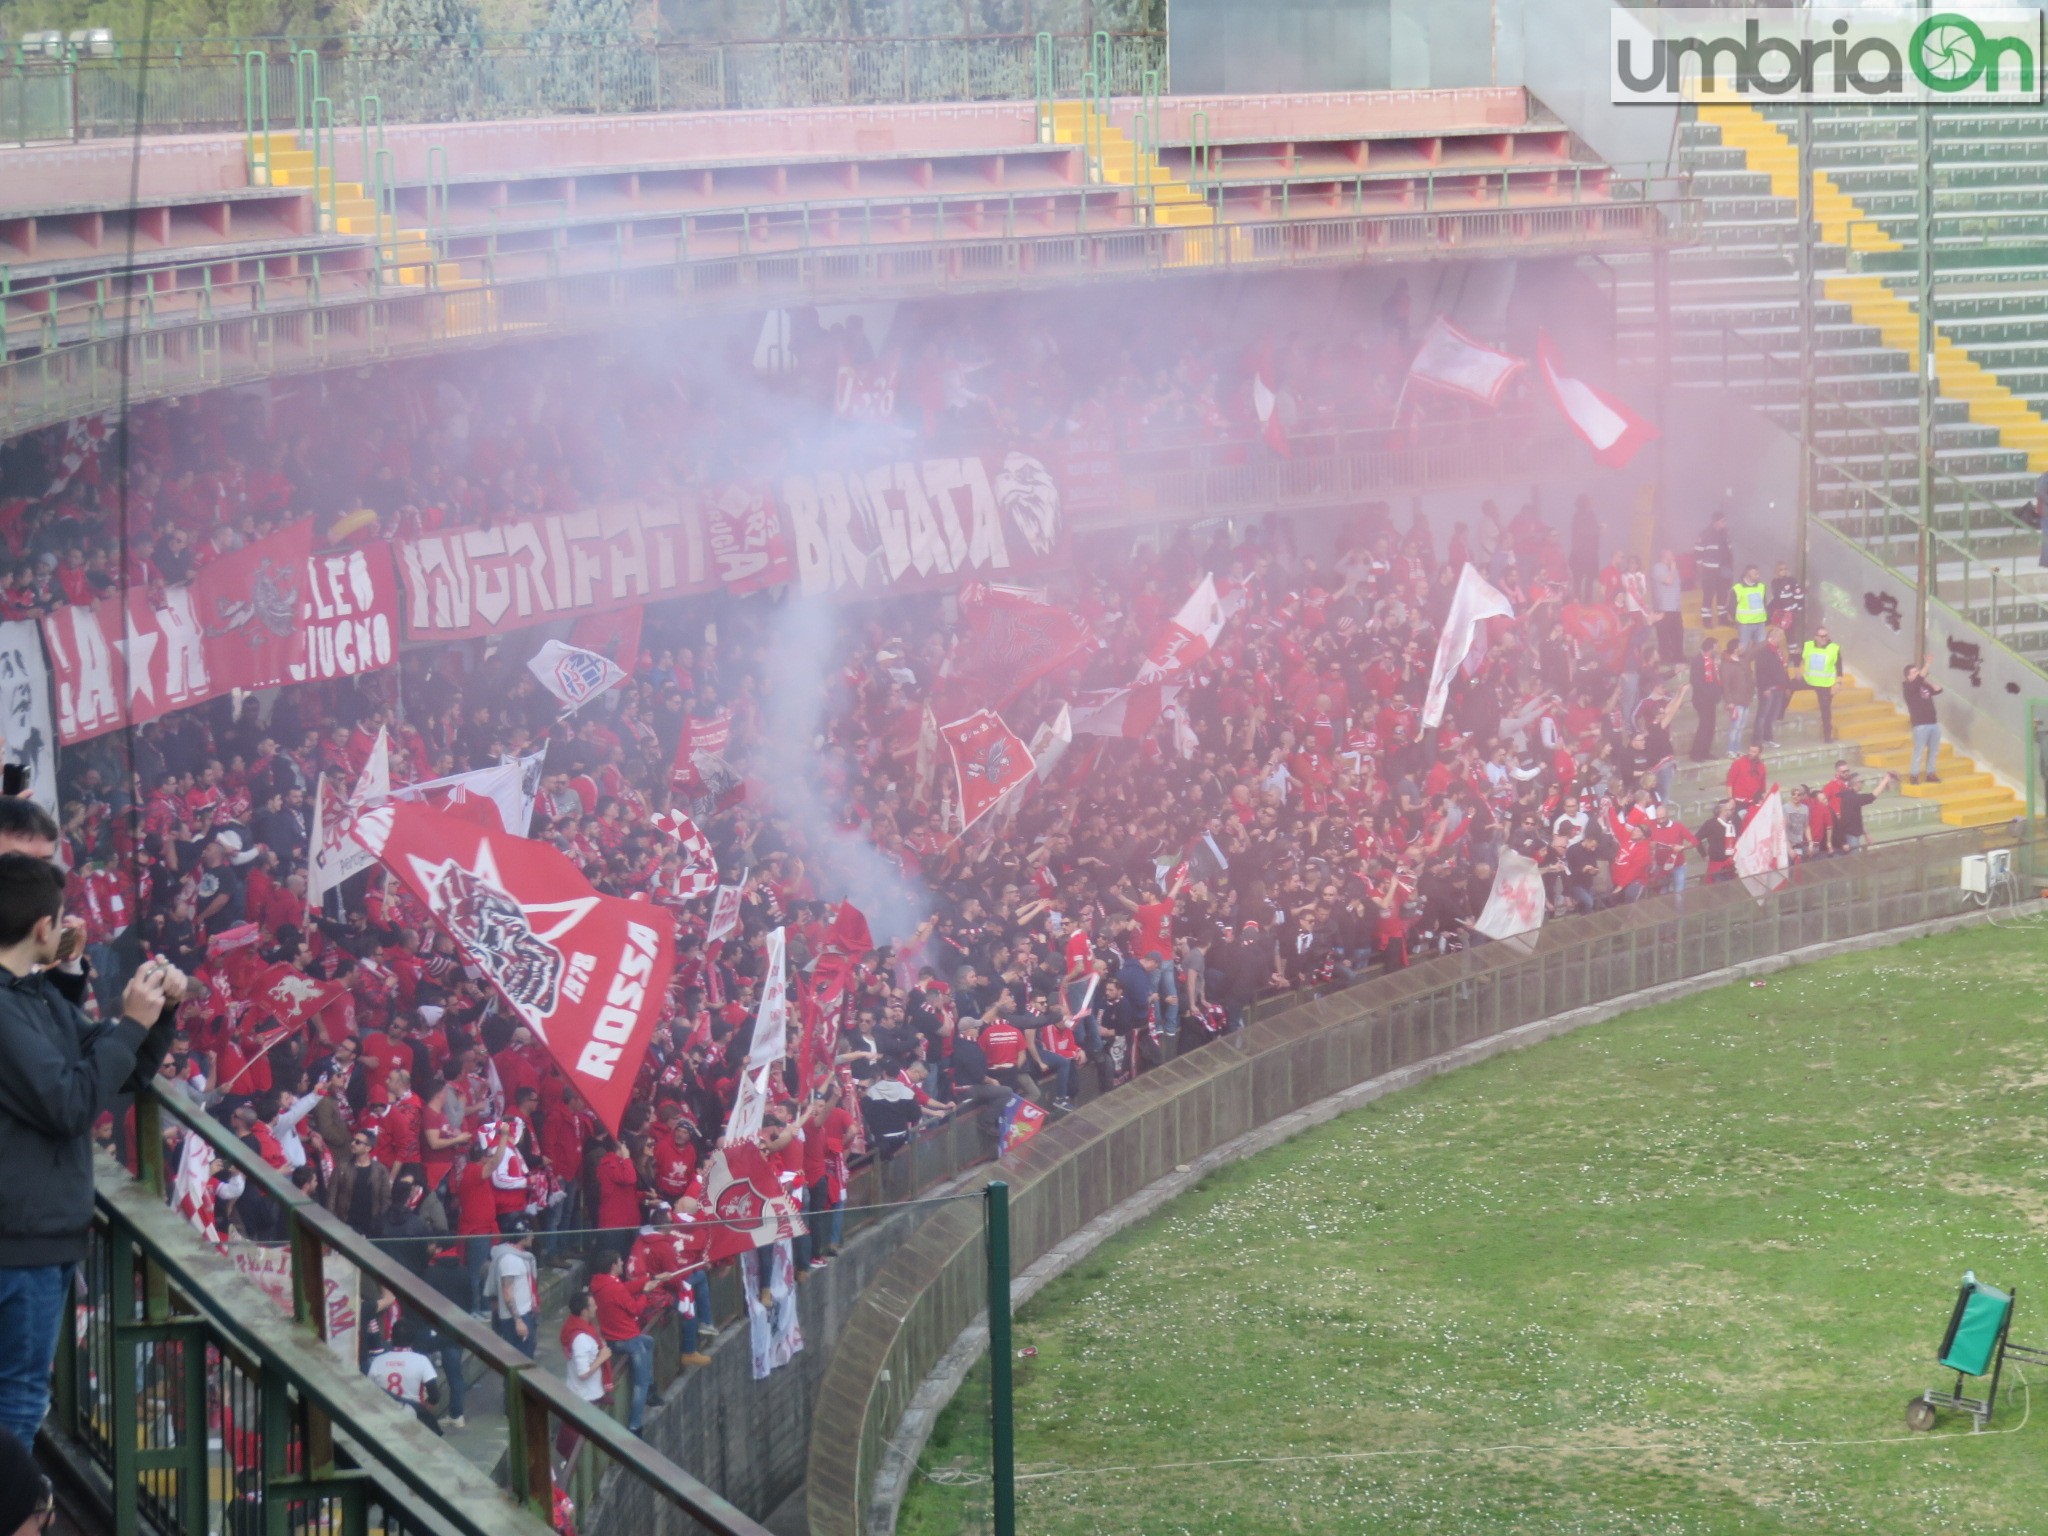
(1977, 1344)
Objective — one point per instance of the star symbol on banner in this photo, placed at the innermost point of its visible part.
(136, 651)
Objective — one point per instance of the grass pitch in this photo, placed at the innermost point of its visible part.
(1676, 1273)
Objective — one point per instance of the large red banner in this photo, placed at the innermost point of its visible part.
(864, 531)
(587, 973)
(271, 613)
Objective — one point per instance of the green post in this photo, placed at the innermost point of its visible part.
(1923, 569)
(1002, 1426)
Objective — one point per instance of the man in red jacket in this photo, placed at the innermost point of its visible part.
(1747, 777)
(620, 1306)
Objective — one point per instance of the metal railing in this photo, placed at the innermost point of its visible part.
(206, 1417)
(430, 78)
(2004, 593)
(1105, 1152)
(196, 328)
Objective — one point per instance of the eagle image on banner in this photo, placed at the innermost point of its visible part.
(989, 760)
(1763, 853)
(1514, 908)
(586, 973)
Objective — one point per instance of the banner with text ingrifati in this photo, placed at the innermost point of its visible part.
(271, 613)
(846, 532)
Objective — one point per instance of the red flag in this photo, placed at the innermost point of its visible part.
(1009, 640)
(700, 748)
(616, 635)
(746, 1201)
(849, 932)
(1130, 713)
(1611, 429)
(988, 761)
(287, 994)
(587, 973)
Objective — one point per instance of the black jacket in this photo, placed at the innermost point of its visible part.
(58, 1072)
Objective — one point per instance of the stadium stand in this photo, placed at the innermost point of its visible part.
(506, 340)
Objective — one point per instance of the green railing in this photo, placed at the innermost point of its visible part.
(927, 1294)
(2002, 592)
(202, 327)
(200, 1407)
(429, 78)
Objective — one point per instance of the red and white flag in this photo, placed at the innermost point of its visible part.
(700, 753)
(1514, 908)
(699, 874)
(192, 1192)
(1611, 429)
(1271, 428)
(287, 994)
(82, 440)
(1450, 360)
(1763, 853)
(989, 760)
(1189, 635)
(587, 973)
(1130, 713)
(725, 912)
(768, 1045)
(746, 1205)
(1472, 604)
(492, 797)
(334, 856)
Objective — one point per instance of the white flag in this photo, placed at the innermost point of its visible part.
(509, 787)
(1472, 604)
(1449, 359)
(1051, 740)
(1763, 854)
(1514, 908)
(768, 1047)
(335, 855)
(573, 675)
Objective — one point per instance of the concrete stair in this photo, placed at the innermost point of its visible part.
(1871, 301)
(1965, 795)
(1114, 159)
(406, 256)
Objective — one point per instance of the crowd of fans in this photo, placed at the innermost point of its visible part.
(437, 443)
(1297, 827)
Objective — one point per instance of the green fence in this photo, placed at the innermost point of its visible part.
(1073, 1172)
(195, 88)
(199, 1406)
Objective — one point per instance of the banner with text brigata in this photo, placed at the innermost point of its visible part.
(272, 612)
(899, 526)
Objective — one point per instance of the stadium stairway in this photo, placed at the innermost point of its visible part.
(345, 208)
(1114, 158)
(1735, 305)
(1870, 731)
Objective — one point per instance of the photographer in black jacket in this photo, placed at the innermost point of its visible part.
(58, 1072)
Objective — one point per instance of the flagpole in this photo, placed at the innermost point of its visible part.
(1002, 1424)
